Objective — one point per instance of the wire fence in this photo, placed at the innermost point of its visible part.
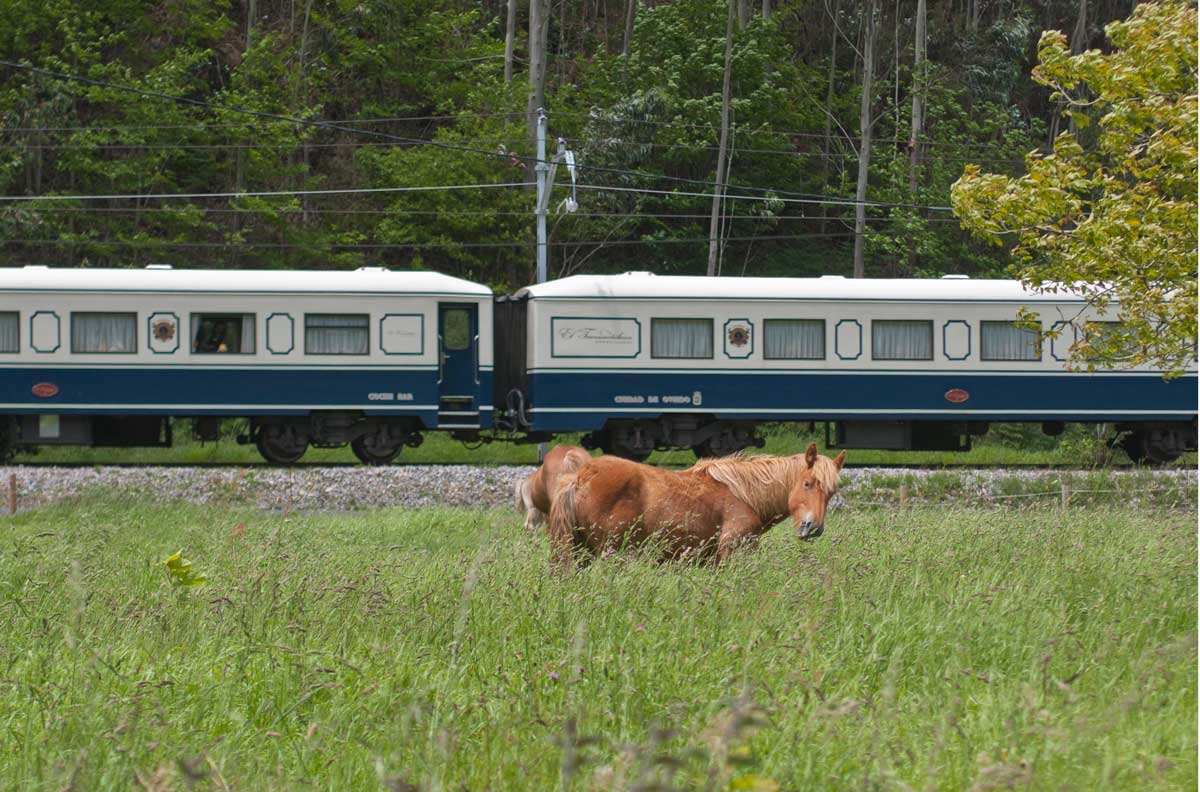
(1186, 497)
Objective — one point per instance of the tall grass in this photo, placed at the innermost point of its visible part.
(924, 649)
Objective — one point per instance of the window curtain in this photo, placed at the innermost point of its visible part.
(10, 332)
(794, 339)
(247, 344)
(1006, 341)
(104, 332)
(901, 340)
(681, 338)
(333, 334)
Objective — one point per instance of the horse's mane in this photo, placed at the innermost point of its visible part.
(764, 482)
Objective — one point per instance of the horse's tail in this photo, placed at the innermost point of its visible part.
(563, 519)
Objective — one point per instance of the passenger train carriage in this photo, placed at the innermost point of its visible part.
(642, 362)
(371, 358)
(375, 358)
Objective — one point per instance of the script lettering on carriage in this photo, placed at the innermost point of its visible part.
(594, 337)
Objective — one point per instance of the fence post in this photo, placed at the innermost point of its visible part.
(12, 493)
(1065, 490)
(903, 495)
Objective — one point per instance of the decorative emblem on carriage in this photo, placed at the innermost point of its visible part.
(739, 335)
(957, 395)
(164, 330)
(44, 390)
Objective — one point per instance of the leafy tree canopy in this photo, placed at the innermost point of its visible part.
(1111, 212)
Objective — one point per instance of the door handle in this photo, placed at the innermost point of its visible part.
(441, 360)
(476, 342)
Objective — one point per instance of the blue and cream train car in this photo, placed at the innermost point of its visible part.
(371, 357)
(642, 362)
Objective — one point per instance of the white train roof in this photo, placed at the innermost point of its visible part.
(164, 279)
(645, 285)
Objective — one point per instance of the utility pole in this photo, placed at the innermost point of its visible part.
(544, 175)
(714, 224)
(541, 169)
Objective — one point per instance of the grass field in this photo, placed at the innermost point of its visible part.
(924, 649)
(1026, 445)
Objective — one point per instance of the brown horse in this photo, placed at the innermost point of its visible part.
(711, 508)
(534, 492)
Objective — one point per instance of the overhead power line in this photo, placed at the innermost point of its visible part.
(817, 201)
(368, 190)
(141, 211)
(223, 125)
(760, 130)
(258, 194)
(152, 243)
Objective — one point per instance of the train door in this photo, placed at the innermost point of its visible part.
(458, 365)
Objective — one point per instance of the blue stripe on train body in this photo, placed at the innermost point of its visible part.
(180, 390)
(562, 402)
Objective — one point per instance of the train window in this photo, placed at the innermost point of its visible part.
(223, 333)
(456, 329)
(681, 338)
(1106, 337)
(794, 339)
(901, 339)
(10, 331)
(104, 333)
(336, 334)
(1008, 341)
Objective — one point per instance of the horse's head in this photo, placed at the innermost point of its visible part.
(817, 483)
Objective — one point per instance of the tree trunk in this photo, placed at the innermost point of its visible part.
(538, 11)
(1078, 41)
(743, 13)
(918, 118)
(766, 11)
(630, 15)
(864, 131)
(896, 78)
(719, 190)
(827, 143)
(1078, 45)
(510, 34)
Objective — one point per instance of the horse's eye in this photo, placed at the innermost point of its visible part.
(808, 485)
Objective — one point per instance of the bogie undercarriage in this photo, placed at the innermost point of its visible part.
(378, 440)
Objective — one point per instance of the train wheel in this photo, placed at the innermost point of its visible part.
(369, 453)
(281, 444)
(1151, 446)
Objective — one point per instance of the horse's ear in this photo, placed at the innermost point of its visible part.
(810, 455)
(840, 459)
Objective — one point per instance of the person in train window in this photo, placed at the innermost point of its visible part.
(203, 333)
(211, 337)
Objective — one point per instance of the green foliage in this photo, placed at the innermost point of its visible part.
(1112, 214)
(406, 73)
(179, 571)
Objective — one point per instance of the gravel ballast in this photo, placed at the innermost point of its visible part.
(465, 486)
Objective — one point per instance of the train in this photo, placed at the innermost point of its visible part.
(375, 359)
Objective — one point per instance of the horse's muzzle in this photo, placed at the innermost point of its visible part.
(809, 530)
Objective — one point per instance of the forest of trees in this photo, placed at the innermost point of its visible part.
(827, 100)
